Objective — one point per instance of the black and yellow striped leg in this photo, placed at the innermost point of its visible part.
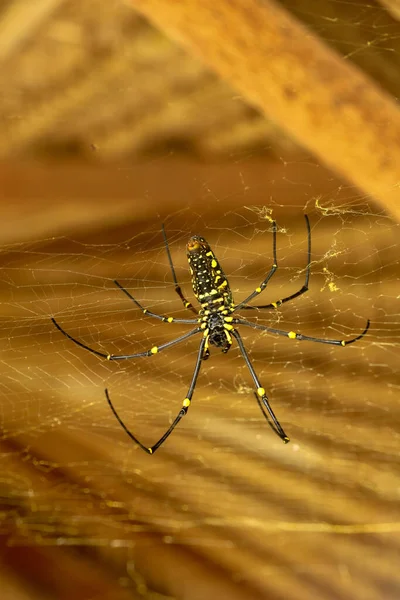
(182, 412)
(178, 290)
(150, 352)
(260, 395)
(292, 335)
(264, 283)
(162, 318)
(303, 290)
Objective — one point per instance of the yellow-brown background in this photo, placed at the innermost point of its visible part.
(108, 129)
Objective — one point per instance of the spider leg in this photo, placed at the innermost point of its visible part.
(303, 290)
(182, 412)
(150, 352)
(162, 318)
(299, 336)
(261, 396)
(264, 283)
(178, 290)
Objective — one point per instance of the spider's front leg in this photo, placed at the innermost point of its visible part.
(261, 395)
(185, 406)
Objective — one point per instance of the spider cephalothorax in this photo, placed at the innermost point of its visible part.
(217, 329)
(215, 322)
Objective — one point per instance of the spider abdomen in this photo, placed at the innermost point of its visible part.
(209, 283)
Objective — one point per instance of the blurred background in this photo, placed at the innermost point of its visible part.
(115, 118)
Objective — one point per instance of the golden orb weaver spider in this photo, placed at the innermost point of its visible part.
(215, 323)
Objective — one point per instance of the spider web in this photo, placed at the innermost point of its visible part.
(331, 401)
(73, 281)
(223, 486)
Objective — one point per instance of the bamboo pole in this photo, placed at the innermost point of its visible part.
(325, 102)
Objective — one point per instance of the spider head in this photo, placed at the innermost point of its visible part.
(219, 338)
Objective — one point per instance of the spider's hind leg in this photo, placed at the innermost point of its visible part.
(278, 303)
(145, 311)
(178, 289)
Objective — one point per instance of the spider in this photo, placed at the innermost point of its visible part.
(215, 323)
